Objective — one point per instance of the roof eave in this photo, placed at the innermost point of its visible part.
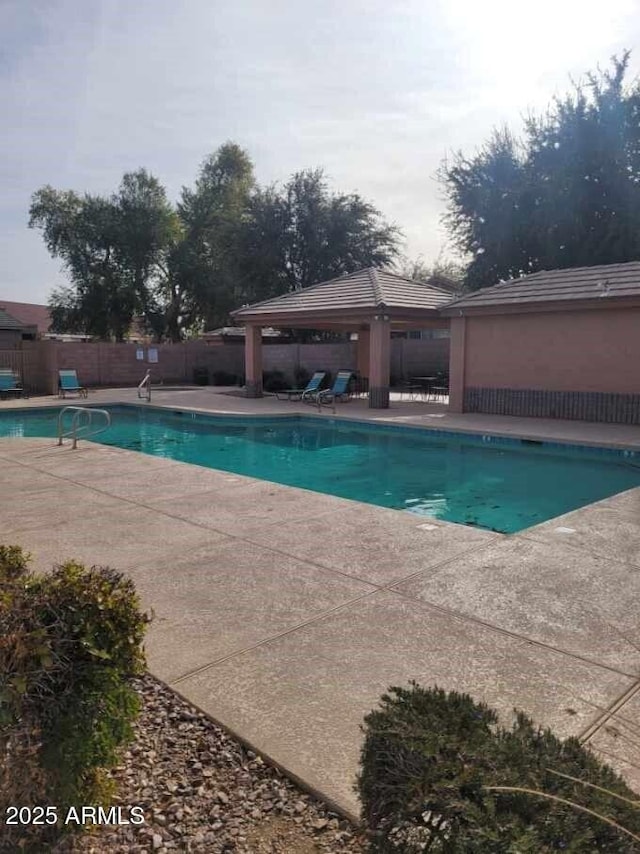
(289, 318)
(528, 307)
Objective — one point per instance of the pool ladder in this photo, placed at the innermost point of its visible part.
(79, 430)
(144, 388)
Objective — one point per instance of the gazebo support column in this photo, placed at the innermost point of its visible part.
(253, 360)
(457, 359)
(362, 358)
(379, 355)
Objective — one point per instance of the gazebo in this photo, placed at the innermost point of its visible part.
(370, 302)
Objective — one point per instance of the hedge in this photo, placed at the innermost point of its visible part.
(439, 773)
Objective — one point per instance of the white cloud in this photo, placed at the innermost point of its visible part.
(376, 92)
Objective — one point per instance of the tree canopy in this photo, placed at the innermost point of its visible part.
(565, 195)
(112, 249)
(226, 242)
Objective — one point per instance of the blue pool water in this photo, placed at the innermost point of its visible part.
(504, 485)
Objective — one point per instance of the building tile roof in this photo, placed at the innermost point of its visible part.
(29, 314)
(366, 289)
(7, 321)
(607, 281)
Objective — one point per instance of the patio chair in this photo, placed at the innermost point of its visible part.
(10, 383)
(338, 391)
(68, 384)
(312, 387)
(440, 389)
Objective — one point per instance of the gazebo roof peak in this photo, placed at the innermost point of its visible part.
(369, 289)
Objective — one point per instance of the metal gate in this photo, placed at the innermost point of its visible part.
(22, 362)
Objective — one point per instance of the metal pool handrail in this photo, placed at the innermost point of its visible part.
(73, 433)
(145, 385)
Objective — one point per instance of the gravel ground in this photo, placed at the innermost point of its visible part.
(202, 792)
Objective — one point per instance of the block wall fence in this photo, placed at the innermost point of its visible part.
(114, 365)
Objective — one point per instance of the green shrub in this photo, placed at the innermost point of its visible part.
(429, 767)
(301, 377)
(224, 378)
(275, 381)
(69, 642)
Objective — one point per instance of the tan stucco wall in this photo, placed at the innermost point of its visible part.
(590, 350)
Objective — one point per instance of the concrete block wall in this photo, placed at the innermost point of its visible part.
(418, 358)
(10, 339)
(331, 357)
(105, 364)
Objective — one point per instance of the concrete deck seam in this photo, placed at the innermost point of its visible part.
(578, 548)
(238, 652)
(205, 527)
(616, 758)
(473, 549)
(264, 641)
(275, 550)
(588, 732)
(523, 638)
(388, 587)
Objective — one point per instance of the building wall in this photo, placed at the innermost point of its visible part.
(582, 365)
(586, 351)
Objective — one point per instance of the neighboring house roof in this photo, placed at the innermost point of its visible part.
(367, 290)
(29, 314)
(239, 332)
(7, 321)
(608, 281)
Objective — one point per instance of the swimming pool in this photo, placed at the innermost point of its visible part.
(500, 484)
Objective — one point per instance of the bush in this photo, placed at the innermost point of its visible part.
(201, 376)
(69, 641)
(224, 378)
(431, 760)
(275, 381)
(301, 377)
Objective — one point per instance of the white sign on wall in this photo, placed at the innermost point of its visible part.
(152, 355)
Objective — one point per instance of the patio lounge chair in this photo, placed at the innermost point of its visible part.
(10, 383)
(68, 384)
(338, 391)
(312, 387)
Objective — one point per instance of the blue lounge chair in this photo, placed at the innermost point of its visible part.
(310, 391)
(338, 391)
(10, 383)
(68, 384)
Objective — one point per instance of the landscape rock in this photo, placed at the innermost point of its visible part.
(204, 793)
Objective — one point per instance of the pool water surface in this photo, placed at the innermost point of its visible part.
(498, 484)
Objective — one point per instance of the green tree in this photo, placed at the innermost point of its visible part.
(83, 232)
(227, 242)
(148, 230)
(205, 264)
(303, 234)
(445, 274)
(566, 195)
(113, 249)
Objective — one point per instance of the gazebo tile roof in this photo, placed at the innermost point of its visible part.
(366, 289)
(576, 283)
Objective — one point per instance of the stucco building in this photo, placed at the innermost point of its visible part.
(559, 344)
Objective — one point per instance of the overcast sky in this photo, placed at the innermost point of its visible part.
(375, 91)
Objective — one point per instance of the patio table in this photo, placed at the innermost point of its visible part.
(425, 384)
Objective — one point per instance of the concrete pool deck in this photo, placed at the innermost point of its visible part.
(285, 614)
